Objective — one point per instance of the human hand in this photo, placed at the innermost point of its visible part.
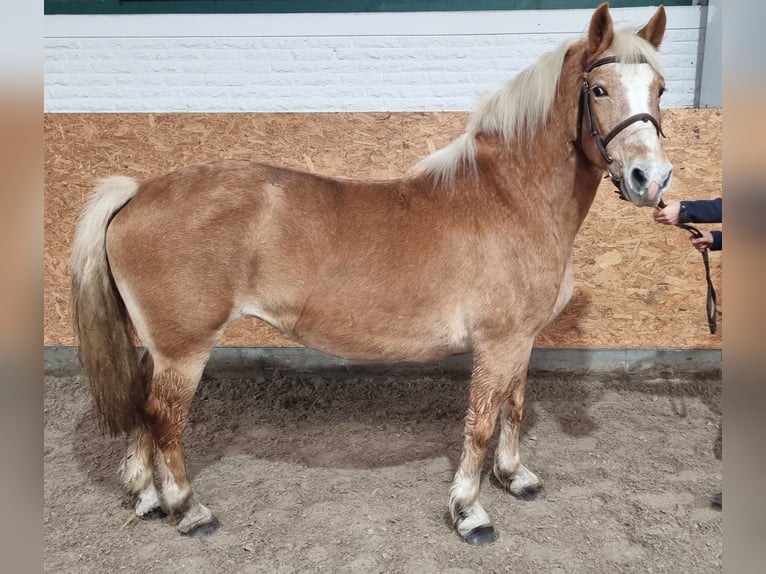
(703, 242)
(669, 215)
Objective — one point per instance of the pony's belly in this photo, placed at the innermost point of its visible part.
(371, 336)
(401, 341)
(380, 349)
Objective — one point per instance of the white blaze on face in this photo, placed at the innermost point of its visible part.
(637, 82)
(646, 173)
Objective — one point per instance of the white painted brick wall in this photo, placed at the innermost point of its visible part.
(379, 62)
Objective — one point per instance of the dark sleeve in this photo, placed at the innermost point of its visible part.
(701, 211)
(717, 241)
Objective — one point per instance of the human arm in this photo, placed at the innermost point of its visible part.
(701, 211)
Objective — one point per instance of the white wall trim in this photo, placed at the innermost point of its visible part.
(422, 61)
(352, 24)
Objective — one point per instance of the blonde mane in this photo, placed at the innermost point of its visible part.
(522, 105)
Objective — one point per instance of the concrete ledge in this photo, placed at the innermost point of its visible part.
(239, 362)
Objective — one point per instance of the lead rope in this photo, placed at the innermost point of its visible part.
(710, 304)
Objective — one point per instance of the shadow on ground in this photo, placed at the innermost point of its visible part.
(321, 421)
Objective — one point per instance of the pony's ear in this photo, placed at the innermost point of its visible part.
(654, 30)
(601, 31)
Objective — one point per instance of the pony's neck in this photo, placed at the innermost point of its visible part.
(579, 178)
(546, 167)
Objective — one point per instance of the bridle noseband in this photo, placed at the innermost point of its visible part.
(584, 109)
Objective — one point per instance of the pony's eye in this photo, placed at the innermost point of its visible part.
(599, 91)
(662, 90)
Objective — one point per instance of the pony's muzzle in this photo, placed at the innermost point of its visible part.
(647, 183)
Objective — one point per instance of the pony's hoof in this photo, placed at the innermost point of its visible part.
(203, 529)
(522, 483)
(154, 514)
(481, 535)
(197, 521)
(529, 493)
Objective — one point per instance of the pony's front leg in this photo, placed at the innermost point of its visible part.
(496, 370)
(514, 476)
(468, 515)
(493, 372)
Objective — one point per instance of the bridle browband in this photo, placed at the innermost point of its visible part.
(584, 109)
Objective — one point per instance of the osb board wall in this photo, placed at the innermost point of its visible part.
(638, 284)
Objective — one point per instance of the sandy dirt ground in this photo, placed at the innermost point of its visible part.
(314, 473)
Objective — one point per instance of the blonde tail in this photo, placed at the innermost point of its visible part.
(107, 354)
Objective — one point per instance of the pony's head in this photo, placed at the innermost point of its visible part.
(619, 109)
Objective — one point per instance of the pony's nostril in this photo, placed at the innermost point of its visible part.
(638, 177)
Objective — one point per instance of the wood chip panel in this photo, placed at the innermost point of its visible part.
(638, 284)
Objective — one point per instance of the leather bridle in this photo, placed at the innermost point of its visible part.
(584, 109)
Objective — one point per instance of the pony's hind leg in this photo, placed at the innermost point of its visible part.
(136, 472)
(510, 473)
(136, 469)
(173, 386)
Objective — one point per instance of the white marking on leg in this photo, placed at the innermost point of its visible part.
(134, 473)
(171, 494)
(466, 510)
(148, 500)
(137, 476)
(507, 459)
(463, 494)
(513, 475)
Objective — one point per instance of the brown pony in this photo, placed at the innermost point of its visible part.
(469, 252)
